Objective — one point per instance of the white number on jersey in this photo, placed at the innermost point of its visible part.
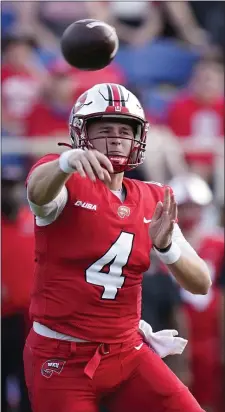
(116, 257)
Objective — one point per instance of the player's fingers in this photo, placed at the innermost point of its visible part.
(166, 201)
(172, 200)
(170, 228)
(88, 169)
(107, 176)
(79, 168)
(174, 212)
(104, 161)
(91, 158)
(158, 211)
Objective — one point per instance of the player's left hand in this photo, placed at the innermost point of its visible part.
(162, 224)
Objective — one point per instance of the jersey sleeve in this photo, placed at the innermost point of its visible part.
(48, 213)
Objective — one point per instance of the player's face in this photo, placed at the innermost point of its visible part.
(111, 138)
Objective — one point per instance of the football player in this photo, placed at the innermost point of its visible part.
(94, 230)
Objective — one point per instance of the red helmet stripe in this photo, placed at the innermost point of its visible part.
(122, 96)
(110, 95)
(116, 97)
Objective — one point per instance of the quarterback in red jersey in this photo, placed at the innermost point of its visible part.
(94, 230)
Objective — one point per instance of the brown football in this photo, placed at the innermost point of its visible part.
(89, 44)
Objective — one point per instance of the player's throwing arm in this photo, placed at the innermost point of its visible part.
(47, 180)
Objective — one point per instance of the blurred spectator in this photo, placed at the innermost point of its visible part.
(65, 85)
(8, 17)
(48, 19)
(203, 312)
(58, 15)
(49, 117)
(17, 269)
(22, 79)
(17, 16)
(210, 16)
(185, 25)
(139, 22)
(136, 22)
(164, 156)
(197, 115)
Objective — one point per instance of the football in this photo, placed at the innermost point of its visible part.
(89, 44)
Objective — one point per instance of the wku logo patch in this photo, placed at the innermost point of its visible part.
(80, 102)
(50, 366)
(123, 211)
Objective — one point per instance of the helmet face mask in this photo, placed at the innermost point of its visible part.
(96, 105)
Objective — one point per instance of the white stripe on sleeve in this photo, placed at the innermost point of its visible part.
(48, 213)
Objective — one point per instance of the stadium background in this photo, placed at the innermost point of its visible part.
(170, 56)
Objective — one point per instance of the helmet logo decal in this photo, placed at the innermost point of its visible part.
(116, 100)
(80, 102)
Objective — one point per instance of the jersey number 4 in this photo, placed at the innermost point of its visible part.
(114, 260)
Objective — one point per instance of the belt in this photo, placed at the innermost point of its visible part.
(90, 368)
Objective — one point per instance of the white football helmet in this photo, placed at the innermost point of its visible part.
(110, 101)
(191, 188)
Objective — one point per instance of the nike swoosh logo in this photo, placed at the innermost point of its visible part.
(138, 347)
(147, 220)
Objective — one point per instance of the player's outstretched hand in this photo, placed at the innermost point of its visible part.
(91, 163)
(162, 224)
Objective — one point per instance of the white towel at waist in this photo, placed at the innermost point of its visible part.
(164, 342)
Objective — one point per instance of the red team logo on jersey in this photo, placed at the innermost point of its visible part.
(123, 211)
(52, 365)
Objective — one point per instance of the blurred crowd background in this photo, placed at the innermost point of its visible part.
(171, 57)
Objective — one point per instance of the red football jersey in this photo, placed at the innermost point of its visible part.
(90, 260)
